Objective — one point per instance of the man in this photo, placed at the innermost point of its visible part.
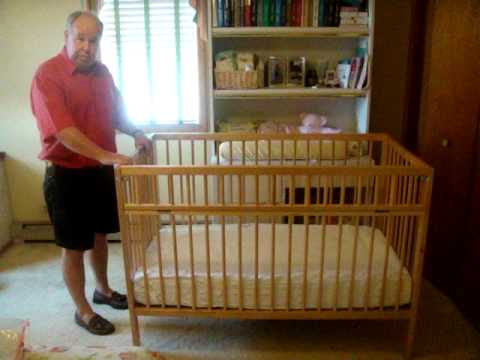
(78, 108)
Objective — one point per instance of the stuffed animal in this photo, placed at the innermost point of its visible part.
(315, 124)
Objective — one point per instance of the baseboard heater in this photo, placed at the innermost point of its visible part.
(40, 231)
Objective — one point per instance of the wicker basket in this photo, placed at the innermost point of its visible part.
(239, 79)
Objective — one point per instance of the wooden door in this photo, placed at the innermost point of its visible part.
(449, 117)
(468, 293)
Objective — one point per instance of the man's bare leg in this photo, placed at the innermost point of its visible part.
(74, 276)
(99, 263)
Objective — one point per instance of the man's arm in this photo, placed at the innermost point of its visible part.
(75, 140)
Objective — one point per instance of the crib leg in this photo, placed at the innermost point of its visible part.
(410, 337)
(135, 328)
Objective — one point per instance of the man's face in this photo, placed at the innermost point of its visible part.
(82, 41)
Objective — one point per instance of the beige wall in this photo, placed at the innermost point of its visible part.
(31, 31)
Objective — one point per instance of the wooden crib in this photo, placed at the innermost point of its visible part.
(274, 227)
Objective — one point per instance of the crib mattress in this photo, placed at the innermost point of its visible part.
(326, 150)
(320, 284)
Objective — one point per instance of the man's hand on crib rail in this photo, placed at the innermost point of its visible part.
(115, 159)
(142, 141)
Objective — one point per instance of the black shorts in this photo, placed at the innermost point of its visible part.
(81, 202)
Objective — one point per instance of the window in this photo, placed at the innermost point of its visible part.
(151, 49)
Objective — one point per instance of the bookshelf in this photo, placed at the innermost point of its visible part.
(346, 108)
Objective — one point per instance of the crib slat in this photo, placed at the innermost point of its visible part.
(194, 187)
(224, 266)
(345, 157)
(390, 220)
(339, 258)
(190, 246)
(171, 199)
(403, 246)
(289, 269)
(272, 269)
(207, 252)
(294, 152)
(369, 266)
(256, 294)
(292, 190)
(240, 259)
(160, 269)
(205, 154)
(307, 161)
(354, 264)
(231, 176)
(282, 151)
(243, 152)
(167, 152)
(306, 221)
(192, 264)
(180, 162)
(178, 294)
(322, 263)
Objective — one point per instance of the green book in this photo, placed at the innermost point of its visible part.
(266, 12)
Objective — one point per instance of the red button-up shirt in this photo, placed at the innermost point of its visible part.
(62, 97)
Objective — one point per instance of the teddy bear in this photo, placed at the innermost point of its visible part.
(315, 124)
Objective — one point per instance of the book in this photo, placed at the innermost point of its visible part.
(266, 12)
(247, 13)
(259, 12)
(354, 72)
(237, 13)
(315, 12)
(362, 79)
(221, 12)
(321, 13)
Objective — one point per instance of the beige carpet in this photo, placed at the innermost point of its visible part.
(31, 287)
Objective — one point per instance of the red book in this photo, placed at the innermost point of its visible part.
(247, 13)
(301, 13)
(293, 13)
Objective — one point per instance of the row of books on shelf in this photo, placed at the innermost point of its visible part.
(307, 13)
(352, 73)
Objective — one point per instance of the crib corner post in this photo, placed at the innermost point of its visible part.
(135, 328)
(412, 323)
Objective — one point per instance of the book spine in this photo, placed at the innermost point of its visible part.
(278, 12)
(247, 13)
(315, 8)
(266, 12)
(221, 12)
(271, 14)
(321, 13)
(260, 12)
(253, 12)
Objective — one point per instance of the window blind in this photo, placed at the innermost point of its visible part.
(150, 47)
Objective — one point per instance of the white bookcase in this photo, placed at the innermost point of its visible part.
(347, 109)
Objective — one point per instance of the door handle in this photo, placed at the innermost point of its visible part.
(445, 143)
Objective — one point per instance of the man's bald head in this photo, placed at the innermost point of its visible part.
(82, 37)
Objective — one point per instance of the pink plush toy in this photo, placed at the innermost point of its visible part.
(315, 124)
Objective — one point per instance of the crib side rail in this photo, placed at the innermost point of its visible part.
(377, 201)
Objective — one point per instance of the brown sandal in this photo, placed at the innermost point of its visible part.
(97, 325)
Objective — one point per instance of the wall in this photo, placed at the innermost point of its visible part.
(31, 31)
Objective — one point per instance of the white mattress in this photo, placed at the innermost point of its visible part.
(281, 265)
(326, 151)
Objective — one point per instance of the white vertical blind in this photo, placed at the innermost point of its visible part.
(150, 47)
